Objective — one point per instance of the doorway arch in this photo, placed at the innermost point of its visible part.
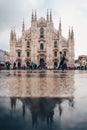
(55, 64)
(19, 65)
(41, 62)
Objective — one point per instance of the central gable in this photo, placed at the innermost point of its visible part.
(41, 22)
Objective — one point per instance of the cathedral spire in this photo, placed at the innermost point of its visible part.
(72, 33)
(11, 34)
(14, 34)
(50, 15)
(23, 26)
(47, 15)
(60, 27)
(35, 15)
(69, 33)
(32, 15)
(58, 34)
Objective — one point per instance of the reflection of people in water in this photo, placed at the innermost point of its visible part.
(71, 102)
(50, 117)
(60, 107)
(33, 104)
(34, 119)
(13, 103)
(23, 108)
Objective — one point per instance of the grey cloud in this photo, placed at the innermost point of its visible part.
(10, 12)
(13, 11)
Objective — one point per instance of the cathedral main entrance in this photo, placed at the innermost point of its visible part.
(41, 60)
(55, 64)
(42, 64)
(19, 65)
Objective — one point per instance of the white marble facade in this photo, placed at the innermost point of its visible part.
(41, 43)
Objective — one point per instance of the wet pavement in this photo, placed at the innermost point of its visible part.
(43, 100)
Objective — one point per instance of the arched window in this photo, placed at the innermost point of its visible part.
(55, 53)
(28, 44)
(41, 46)
(41, 33)
(55, 44)
(28, 53)
(19, 53)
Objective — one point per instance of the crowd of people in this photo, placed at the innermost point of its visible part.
(31, 65)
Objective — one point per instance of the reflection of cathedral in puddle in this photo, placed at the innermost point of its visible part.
(42, 109)
(41, 84)
(56, 85)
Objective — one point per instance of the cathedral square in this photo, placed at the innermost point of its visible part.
(43, 64)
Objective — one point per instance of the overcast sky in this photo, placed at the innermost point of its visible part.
(72, 13)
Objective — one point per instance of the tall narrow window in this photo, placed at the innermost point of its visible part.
(19, 54)
(28, 54)
(55, 53)
(28, 44)
(55, 44)
(41, 33)
(41, 46)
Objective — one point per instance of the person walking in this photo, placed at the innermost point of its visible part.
(14, 66)
(64, 65)
(62, 60)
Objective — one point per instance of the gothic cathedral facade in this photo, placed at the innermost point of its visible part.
(41, 43)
